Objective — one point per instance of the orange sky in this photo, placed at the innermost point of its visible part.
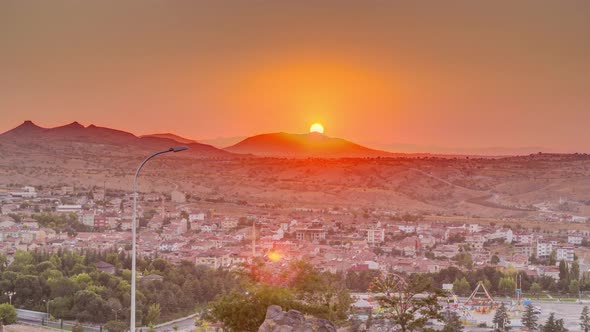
(442, 77)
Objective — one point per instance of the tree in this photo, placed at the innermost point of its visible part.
(461, 287)
(574, 287)
(507, 286)
(529, 318)
(553, 325)
(501, 320)
(452, 323)
(575, 271)
(536, 289)
(245, 311)
(464, 259)
(552, 258)
(585, 320)
(7, 314)
(153, 314)
(495, 260)
(401, 303)
(563, 271)
(116, 326)
(78, 328)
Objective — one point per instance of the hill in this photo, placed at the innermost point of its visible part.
(303, 146)
(93, 140)
(171, 136)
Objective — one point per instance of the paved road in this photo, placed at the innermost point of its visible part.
(569, 312)
(185, 324)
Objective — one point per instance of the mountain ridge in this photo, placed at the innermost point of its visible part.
(283, 144)
(62, 137)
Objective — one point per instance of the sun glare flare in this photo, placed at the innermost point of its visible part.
(274, 256)
(316, 128)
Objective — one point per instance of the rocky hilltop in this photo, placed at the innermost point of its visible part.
(278, 320)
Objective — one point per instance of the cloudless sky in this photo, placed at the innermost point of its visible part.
(456, 74)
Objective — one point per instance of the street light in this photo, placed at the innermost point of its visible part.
(10, 294)
(134, 227)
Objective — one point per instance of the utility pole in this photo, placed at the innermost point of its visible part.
(253, 238)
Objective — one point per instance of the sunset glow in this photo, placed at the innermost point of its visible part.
(316, 128)
(274, 256)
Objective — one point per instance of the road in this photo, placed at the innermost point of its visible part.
(184, 324)
(569, 312)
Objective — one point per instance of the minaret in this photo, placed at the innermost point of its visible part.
(253, 238)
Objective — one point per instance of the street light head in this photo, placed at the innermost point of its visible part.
(179, 148)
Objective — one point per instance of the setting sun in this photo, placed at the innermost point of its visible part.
(316, 128)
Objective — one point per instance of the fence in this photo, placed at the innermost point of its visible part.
(59, 324)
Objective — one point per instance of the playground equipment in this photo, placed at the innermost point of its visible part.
(481, 298)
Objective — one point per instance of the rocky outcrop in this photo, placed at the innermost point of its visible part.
(278, 320)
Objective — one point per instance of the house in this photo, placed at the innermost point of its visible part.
(105, 267)
(150, 278)
(575, 239)
(68, 208)
(544, 249)
(549, 271)
(196, 216)
(310, 234)
(565, 253)
(375, 235)
(87, 218)
(229, 223)
(524, 249)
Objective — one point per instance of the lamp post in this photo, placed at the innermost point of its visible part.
(134, 227)
(10, 294)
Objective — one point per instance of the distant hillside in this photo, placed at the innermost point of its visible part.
(28, 137)
(303, 146)
(174, 137)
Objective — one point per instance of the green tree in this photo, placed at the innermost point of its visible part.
(461, 287)
(7, 314)
(575, 271)
(536, 289)
(507, 286)
(401, 303)
(553, 325)
(116, 326)
(552, 258)
(501, 320)
(563, 271)
(153, 313)
(464, 259)
(529, 318)
(77, 328)
(452, 323)
(574, 287)
(245, 311)
(585, 320)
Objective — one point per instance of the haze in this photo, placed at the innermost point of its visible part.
(427, 76)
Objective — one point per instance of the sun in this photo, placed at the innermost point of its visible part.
(316, 128)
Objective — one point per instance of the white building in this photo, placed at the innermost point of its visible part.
(575, 239)
(375, 235)
(565, 253)
(27, 192)
(229, 223)
(69, 208)
(87, 218)
(544, 249)
(196, 217)
(407, 228)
